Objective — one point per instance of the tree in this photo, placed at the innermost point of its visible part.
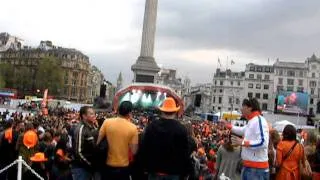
(2, 82)
(49, 75)
(7, 73)
(23, 79)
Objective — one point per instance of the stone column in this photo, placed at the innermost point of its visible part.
(149, 28)
(145, 69)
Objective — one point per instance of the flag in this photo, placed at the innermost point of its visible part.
(232, 62)
(219, 62)
(44, 102)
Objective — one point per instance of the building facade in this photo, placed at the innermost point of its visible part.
(259, 84)
(168, 77)
(95, 80)
(227, 90)
(75, 65)
(200, 98)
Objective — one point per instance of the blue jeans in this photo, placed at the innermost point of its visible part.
(81, 174)
(163, 177)
(254, 174)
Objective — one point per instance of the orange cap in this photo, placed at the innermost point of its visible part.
(169, 105)
(8, 135)
(38, 157)
(30, 139)
(201, 151)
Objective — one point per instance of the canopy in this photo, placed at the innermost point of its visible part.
(280, 125)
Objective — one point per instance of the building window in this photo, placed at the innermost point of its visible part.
(311, 101)
(214, 99)
(280, 72)
(259, 76)
(266, 86)
(313, 83)
(290, 82)
(290, 88)
(231, 82)
(250, 85)
(280, 81)
(221, 83)
(265, 96)
(264, 106)
(313, 75)
(65, 91)
(214, 90)
(215, 82)
(251, 76)
(258, 86)
(266, 77)
(213, 108)
(237, 101)
(258, 95)
(312, 91)
(300, 73)
(221, 90)
(238, 83)
(219, 108)
(300, 82)
(300, 89)
(259, 69)
(230, 100)
(290, 73)
(251, 68)
(220, 100)
(250, 94)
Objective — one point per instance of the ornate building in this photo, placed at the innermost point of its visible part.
(95, 80)
(75, 65)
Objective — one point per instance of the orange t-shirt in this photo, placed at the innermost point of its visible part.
(120, 134)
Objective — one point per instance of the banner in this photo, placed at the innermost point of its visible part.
(44, 102)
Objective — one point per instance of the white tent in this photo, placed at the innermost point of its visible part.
(280, 125)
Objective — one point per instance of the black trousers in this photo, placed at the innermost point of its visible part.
(115, 173)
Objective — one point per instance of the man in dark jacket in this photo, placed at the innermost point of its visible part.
(164, 150)
(83, 145)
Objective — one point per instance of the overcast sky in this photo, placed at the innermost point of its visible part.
(191, 34)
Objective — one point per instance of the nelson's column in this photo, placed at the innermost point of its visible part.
(145, 69)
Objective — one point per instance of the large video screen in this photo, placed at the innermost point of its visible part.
(292, 103)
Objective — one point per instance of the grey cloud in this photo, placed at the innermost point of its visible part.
(249, 27)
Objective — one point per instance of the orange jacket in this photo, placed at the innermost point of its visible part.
(290, 167)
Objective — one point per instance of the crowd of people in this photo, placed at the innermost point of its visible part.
(129, 144)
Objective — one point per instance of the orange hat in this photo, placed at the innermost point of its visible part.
(8, 135)
(30, 139)
(38, 157)
(169, 105)
(201, 151)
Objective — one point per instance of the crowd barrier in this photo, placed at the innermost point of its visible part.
(19, 163)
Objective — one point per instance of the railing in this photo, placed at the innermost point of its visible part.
(21, 162)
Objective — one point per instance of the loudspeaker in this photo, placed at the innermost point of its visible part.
(197, 101)
(103, 89)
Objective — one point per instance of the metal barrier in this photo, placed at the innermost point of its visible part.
(19, 163)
